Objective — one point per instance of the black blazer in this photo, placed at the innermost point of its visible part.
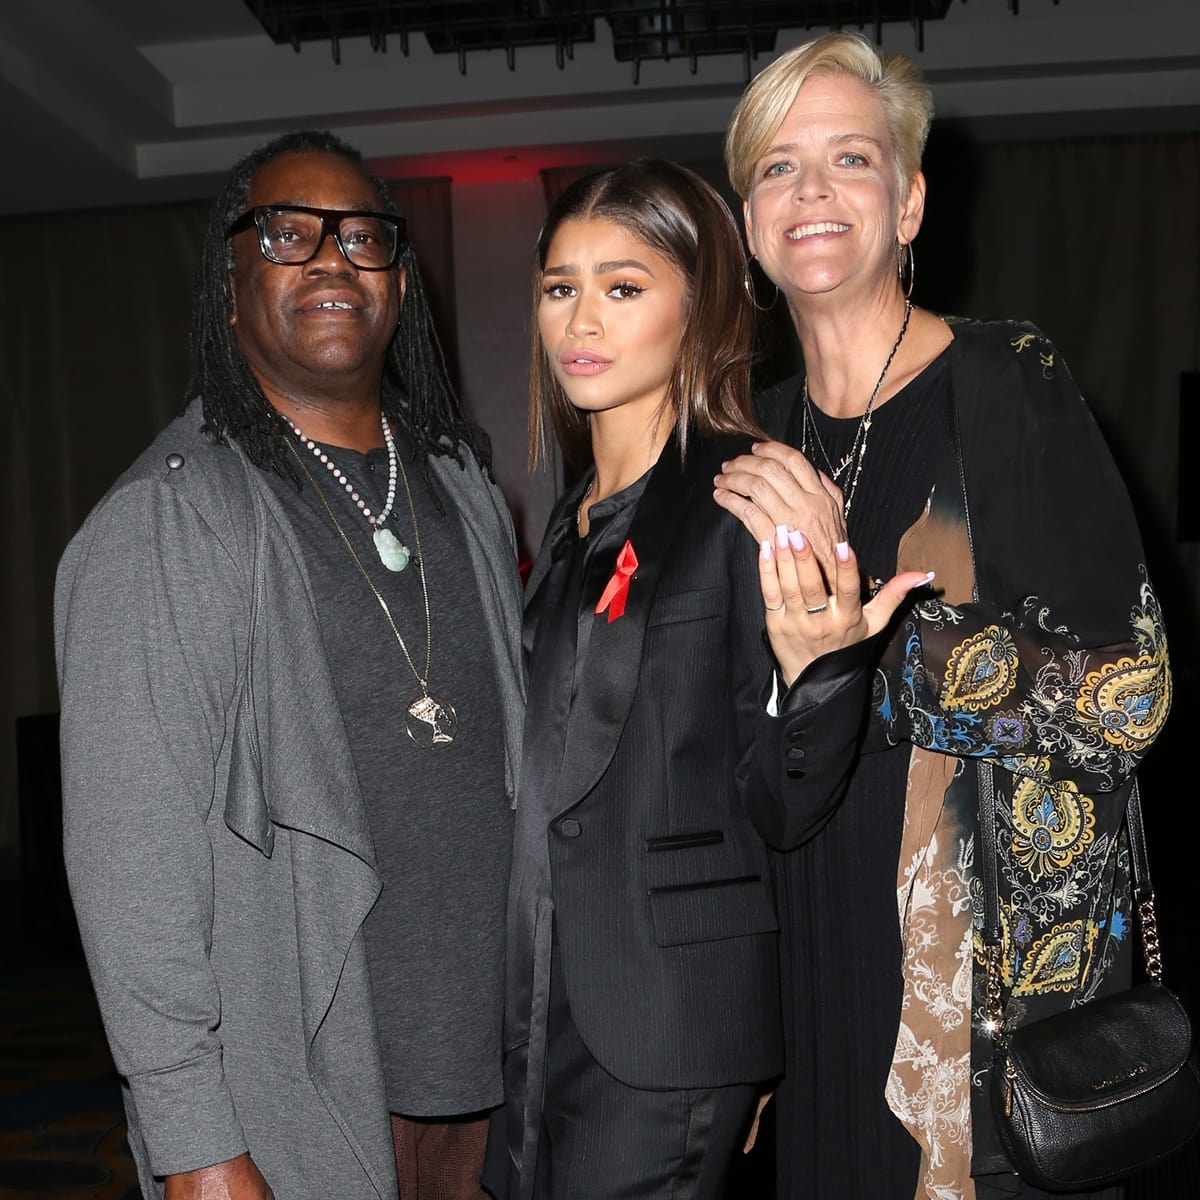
(646, 842)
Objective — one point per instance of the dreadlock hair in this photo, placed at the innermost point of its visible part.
(417, 398)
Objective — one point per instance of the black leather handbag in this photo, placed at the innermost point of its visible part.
(1103, 1090)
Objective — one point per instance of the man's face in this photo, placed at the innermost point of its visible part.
(325, 325)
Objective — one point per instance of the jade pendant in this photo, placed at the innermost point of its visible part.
(393, 553)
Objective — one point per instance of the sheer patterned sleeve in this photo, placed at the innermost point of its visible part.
(1058, 669)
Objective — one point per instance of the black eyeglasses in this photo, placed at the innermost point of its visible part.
(292, 234)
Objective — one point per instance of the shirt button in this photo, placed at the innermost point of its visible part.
(174, 461)
(569, 827)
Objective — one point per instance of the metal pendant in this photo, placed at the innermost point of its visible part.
(393, 553)
(431, 721)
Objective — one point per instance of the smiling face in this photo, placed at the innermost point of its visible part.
(324, 326)
(610, 316)
(826, 210)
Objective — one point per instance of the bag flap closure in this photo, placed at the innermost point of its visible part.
(1098, 1053)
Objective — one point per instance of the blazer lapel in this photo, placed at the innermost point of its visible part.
(614, 652)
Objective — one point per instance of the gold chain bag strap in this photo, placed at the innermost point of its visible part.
(1100, 1091)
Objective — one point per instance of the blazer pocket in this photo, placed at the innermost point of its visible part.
(685, 841)
(709, 911)
(696, 605)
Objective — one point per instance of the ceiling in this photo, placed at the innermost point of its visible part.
(113, 102)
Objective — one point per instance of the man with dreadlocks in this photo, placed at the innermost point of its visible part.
(288, 664)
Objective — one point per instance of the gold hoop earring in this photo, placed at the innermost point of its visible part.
(748, 284)
(907, 289)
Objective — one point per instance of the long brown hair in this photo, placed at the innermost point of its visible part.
(674, 212)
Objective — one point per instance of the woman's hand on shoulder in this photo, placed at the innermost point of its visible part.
(805, 616)
(776, 485)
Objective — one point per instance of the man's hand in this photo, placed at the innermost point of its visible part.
(236, 1179)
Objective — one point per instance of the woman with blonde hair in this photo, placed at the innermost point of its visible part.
(1033, 681)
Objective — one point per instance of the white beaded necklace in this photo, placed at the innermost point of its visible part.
(393, 553)
(430, 719)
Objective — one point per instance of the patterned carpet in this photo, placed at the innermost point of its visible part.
(62, 1129)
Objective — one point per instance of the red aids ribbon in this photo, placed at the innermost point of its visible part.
(616, 591)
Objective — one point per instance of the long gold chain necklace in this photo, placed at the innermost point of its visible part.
(430, 720)
(858, 448)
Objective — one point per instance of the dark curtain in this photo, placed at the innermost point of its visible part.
(94, 309)
(1097, 240)
(425, 204)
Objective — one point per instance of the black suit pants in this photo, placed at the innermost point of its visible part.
(604, 1140)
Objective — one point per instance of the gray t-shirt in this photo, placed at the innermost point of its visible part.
(440, 821)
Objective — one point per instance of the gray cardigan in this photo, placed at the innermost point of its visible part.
(216, 840)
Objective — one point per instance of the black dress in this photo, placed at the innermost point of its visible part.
(837, 894)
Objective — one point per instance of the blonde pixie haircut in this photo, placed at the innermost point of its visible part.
(896, 80)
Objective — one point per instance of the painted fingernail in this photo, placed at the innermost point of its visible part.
(842, 549)
(767, 550)
(781, 536)
(796, 538)
(930, 576)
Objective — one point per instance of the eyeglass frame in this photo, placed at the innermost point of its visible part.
(257, 215)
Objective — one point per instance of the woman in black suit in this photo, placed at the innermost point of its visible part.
(643, 1012)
